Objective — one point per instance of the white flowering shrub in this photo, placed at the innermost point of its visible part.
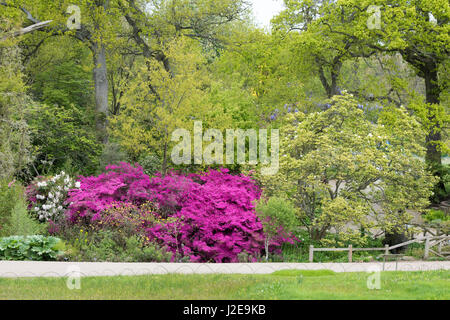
(47, 196)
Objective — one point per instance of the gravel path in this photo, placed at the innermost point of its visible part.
(12, 269)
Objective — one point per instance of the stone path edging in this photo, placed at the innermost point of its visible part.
(13, 269)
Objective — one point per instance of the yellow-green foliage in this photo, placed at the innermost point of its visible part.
(340, 170)
(334, 32)
(433, 117)
(276, 214)
(159, 101)
(14, 138)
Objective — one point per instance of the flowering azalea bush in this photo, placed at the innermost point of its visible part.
(215, 216)
(47, 196)
(123, 183)
(202, 217)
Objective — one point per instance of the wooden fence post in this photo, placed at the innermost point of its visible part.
(350, 253)
(440, 243)
(427, 249)
(311, 253)
(386, 249)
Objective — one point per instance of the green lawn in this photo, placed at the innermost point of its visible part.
(281, 285)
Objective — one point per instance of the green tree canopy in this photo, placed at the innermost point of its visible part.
(340, 169)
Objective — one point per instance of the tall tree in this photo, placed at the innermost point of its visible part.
(151, 23)
(418, 30)
(341, 170)
(92, 22)
(158, 102)
(15, 150)
(317, 50)
(154, 22)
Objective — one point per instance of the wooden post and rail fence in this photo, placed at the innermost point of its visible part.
(429, 243)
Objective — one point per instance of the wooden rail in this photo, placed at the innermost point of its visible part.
(429, 243)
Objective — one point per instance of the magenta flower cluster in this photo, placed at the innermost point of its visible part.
(123, 183)
(210, 216)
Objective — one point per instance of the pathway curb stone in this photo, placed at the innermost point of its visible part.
(19, 269)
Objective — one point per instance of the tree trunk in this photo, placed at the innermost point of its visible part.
(266, 247)
(315, 234)
(331, 87)
(335, 72)
(101, 89)
(164, 162)
(434, 155)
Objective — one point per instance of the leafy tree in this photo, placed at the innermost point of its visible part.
(276, 215)
(424, 42)
(61, 73)
(158, 102)
(402, 58)
(63, 138)
(94, 25)
(263, 66)
(331, 32)
(14, 133)
(317, 50)
(153, 22)
(103, 26)
(340, 170)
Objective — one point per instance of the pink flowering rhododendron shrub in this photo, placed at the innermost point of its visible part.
(207, 217)
(216, 220)
(123, 183)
